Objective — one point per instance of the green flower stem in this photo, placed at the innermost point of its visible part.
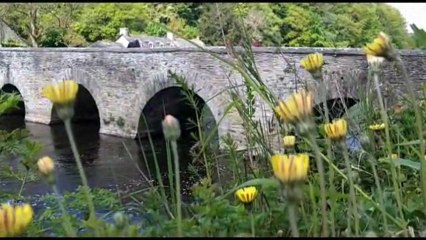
(376, 205)
(157, 172)
(303, 213)
(360, 191)
(332, 190)
(323, 93)
(292, 218)
(200, 137)
(418, 115)
(322, 184)
(23, 183)
(314, 207)
(178, 192)
(170, 172)
(388, 143)
(67, 123)
(381, 199)
(351, 189)
(67, 223)
(253, 232)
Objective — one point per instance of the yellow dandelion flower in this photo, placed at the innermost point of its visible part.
(45, 165)
(298, 107)
(289, 168)
(313, 62)
(377, 127)
(337, 130)
(380, 47)
(61, 93)
(247, 194)
(289, 141)
(14, 219)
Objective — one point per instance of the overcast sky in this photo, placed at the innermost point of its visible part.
(413, 13)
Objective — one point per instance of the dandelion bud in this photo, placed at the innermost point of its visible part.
(120, 219)
(171, 128)
(246, 195)
(398, 109)
(289, 141)
(45, 165)
(370, 234)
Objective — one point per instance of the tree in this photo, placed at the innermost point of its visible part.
(101, 21)
(419, 37)
(61, 17)
(26, 19)
(226, 27)
(393, 24)
(275, 24)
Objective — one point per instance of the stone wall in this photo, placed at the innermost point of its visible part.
(122, 81)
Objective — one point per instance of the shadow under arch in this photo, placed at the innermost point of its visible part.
(85, 125)
(13, 118)
(336, 108)
(173, 101)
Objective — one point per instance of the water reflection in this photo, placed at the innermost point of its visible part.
(105, 158)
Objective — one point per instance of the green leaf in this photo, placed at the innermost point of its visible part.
(414, 142)
(408, 163)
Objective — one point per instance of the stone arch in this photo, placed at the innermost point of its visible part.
(85, 108)
(164, 88)
(20, 110)
(172, 100)
(336, 107)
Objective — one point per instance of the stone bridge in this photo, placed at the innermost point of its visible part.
(118, 86)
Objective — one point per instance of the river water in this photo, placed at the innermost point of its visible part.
(109, 162)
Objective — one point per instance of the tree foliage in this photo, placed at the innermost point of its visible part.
(419, 37)
(272, 24)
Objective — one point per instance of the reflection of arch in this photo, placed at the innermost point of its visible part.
(86, 137)
(20, 110)
(336, 107)
(171, 100)
(85, 109)
(85, 126)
